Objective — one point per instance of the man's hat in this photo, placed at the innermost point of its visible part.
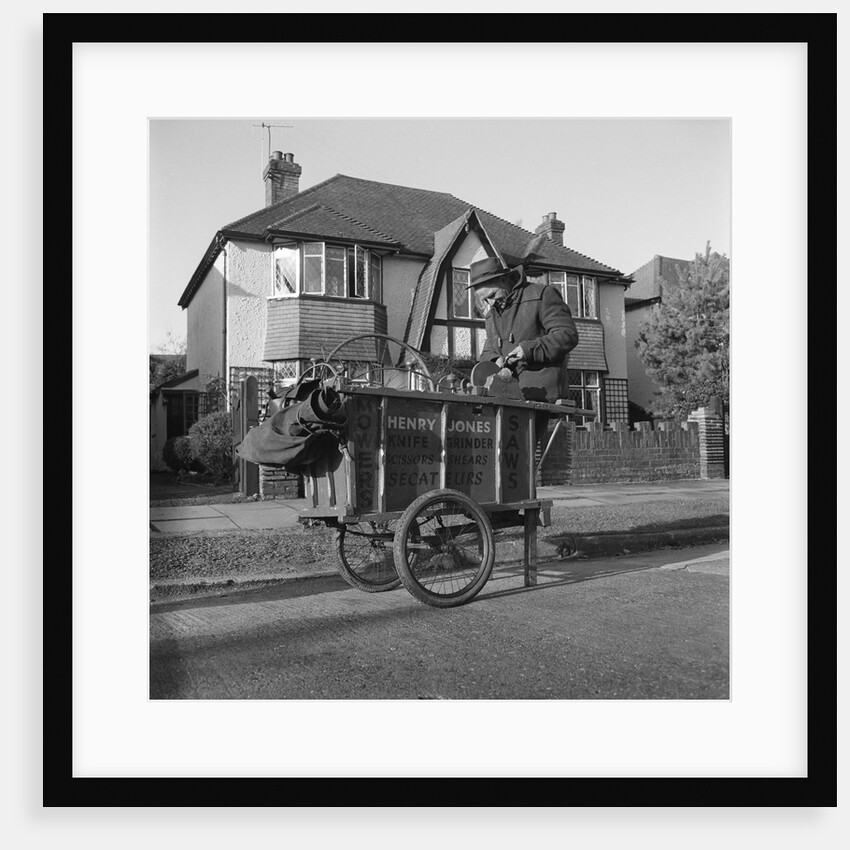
(488, 269)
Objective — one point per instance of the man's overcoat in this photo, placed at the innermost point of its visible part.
(536, 317)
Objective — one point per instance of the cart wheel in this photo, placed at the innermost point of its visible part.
(364, 554)
(444, 549)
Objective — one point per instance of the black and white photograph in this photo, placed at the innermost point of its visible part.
(439, 408)
(435, 476)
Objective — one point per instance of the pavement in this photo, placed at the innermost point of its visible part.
(276, 514)
(183, 524)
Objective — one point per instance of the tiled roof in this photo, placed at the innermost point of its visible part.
(319, 220)
(404, 215)
(589, 353)
(175, 382)
(400, 217)
(651, 278)
(424, 292)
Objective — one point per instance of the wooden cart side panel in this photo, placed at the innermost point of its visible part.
(515, 455)
(339, 479)
(470, 450)
(364, 441)
(412, 449)
(382, 456)
(319, 472)
(500, 415)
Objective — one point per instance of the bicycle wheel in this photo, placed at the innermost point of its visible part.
(364, 555)
(444, 549)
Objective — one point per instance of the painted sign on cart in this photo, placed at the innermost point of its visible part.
(515, 454)
(471, 450)
(412, 450)
(482, 450)
(364, 417)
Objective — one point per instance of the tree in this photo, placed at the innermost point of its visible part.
(685, 342)
(169, 361)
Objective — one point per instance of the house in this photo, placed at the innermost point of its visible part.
(349, 256)
(174, 408)
(647, 290)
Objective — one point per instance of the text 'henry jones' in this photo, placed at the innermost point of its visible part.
(424, 423)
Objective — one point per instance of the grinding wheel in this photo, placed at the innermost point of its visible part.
(481, 371)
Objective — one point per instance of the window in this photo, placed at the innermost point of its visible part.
(463, 303)
(317, 268)
(285, 271)
(579, 291)
(314, 256)
(359, 272)
(559, 281)
(585, 391)
(375, 276)
(181, 412)
(465, 337)
(572, 299)
(285, 372)
(588, 289)
(335, 271)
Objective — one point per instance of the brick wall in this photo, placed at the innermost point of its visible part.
(597, 456)
(277, 483)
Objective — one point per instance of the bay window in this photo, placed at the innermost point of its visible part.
(318, 268)
(579, 291)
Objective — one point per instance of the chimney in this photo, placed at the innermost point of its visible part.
(551, 228)
(281, 177)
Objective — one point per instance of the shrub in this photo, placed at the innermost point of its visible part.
(440, 365)
(177, 454)
(211, 442)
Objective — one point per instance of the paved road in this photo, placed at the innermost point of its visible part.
(651, 626)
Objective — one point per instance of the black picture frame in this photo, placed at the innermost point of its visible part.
(819, 33)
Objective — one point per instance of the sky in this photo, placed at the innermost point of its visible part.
(626, 189)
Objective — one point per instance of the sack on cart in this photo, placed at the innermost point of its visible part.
(299, 434)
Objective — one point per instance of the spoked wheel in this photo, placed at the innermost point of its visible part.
(444, 548)
(364, 554)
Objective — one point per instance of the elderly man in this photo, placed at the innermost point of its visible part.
(530, 329)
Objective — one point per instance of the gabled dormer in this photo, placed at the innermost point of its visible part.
(444, 318)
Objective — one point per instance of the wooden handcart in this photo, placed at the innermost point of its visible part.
(419, 484)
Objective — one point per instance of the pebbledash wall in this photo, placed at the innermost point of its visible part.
(673, 451)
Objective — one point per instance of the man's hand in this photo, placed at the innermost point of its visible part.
(515, 356)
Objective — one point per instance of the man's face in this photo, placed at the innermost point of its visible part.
(488, 293)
